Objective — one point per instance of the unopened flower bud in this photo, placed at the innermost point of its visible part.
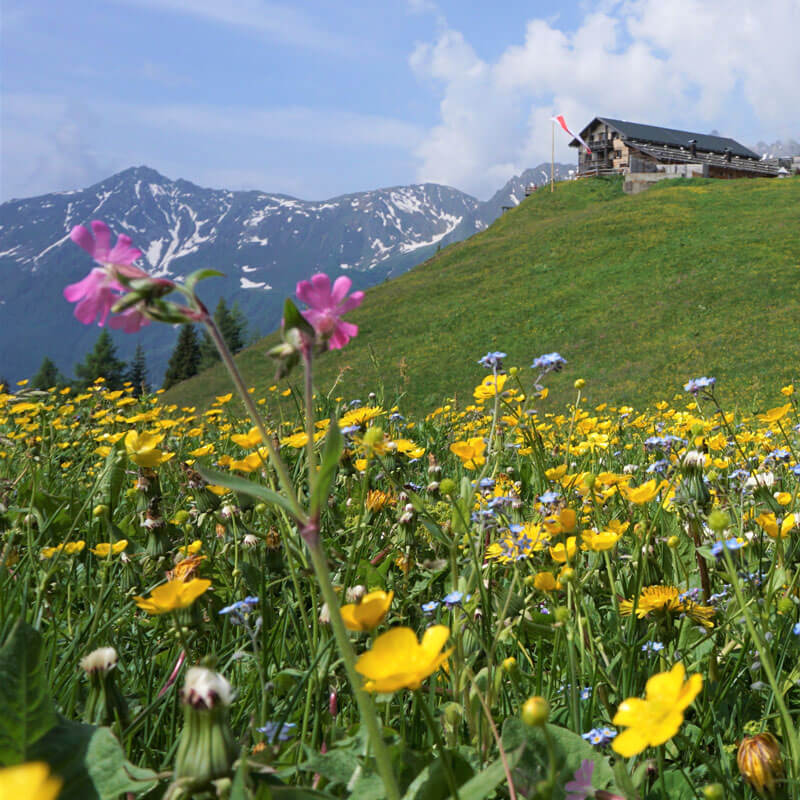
(324, 614)
(760, 763)
(355, 594)
(99, 511)
(333, 703)
(718, 520)
(105, 703)
(535, 711)
(447, 486)
(510, 664)
(673, 541)
(714, 791)
(206, 748)
(580, 383)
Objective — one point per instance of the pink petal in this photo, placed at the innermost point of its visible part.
(341, 287)
(83, 239)
(302, 290)
(129, 321)
(317, 293)
(124, 252)
(102, 239)
(349, 303)
(89, 285)
(312, 317)
(343, 333)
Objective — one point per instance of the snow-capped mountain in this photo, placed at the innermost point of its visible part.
(783, 148)
(264, 243)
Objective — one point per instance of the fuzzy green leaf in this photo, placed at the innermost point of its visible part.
(28, 711)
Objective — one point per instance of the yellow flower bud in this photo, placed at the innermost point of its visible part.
(535, 711)
(580, 383)
(510, 664)
(673, 541)
(760, 762)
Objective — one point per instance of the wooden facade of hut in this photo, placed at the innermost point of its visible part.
(630, 148)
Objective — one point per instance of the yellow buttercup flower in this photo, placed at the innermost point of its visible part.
(142, 450)
(564, 552)
(657, 718)
(173, 595)
(70, 548)
(191, 549)
(640, 494)
(31, 780)
(248, 440)
(545, 582)
(599, 540)
(471, 452)
(104, 548)
(769, 524)
(775, 414)
(398, 661)
(369, 613)
(490, 386)
(562, 522)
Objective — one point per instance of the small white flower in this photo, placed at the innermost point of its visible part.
(694, 458)
(103, 659)
(204, 688)
(766, 479)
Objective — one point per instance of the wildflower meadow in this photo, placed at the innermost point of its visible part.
(303, 595)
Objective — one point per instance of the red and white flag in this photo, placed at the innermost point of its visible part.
(560, 120)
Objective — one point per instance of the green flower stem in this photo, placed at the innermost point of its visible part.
(309, 408)
(364, 701)
(766, 662)
(437, 736)
(238, 382)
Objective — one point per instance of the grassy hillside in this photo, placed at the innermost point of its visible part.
(639, 294)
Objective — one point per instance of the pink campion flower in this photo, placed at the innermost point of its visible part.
(326, 306)
(100, 289)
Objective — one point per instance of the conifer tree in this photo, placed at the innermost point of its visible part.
(185, 359)
(137, 373)
(102, 362)
(232, 326)
(239, 325)
(47, 376)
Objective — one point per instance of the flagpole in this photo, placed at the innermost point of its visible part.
(552, 155)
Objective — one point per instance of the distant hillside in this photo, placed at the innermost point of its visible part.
(639, 294)
(264, 243)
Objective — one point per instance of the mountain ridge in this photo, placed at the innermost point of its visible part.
(265, 242)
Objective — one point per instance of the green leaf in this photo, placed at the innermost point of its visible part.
(292, 318)
(111, 773)
(334, 447)
(64, 748)
(200, 275)
(28, 712)
(431, 783)
(244, 486)
(570, 750)
(269, 792)
(113, 476)
(91, 763)
(336, 766)
(485, 782)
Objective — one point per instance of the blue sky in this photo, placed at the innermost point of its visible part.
(316, 99)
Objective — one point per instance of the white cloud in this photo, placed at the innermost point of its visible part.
(692, 64)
